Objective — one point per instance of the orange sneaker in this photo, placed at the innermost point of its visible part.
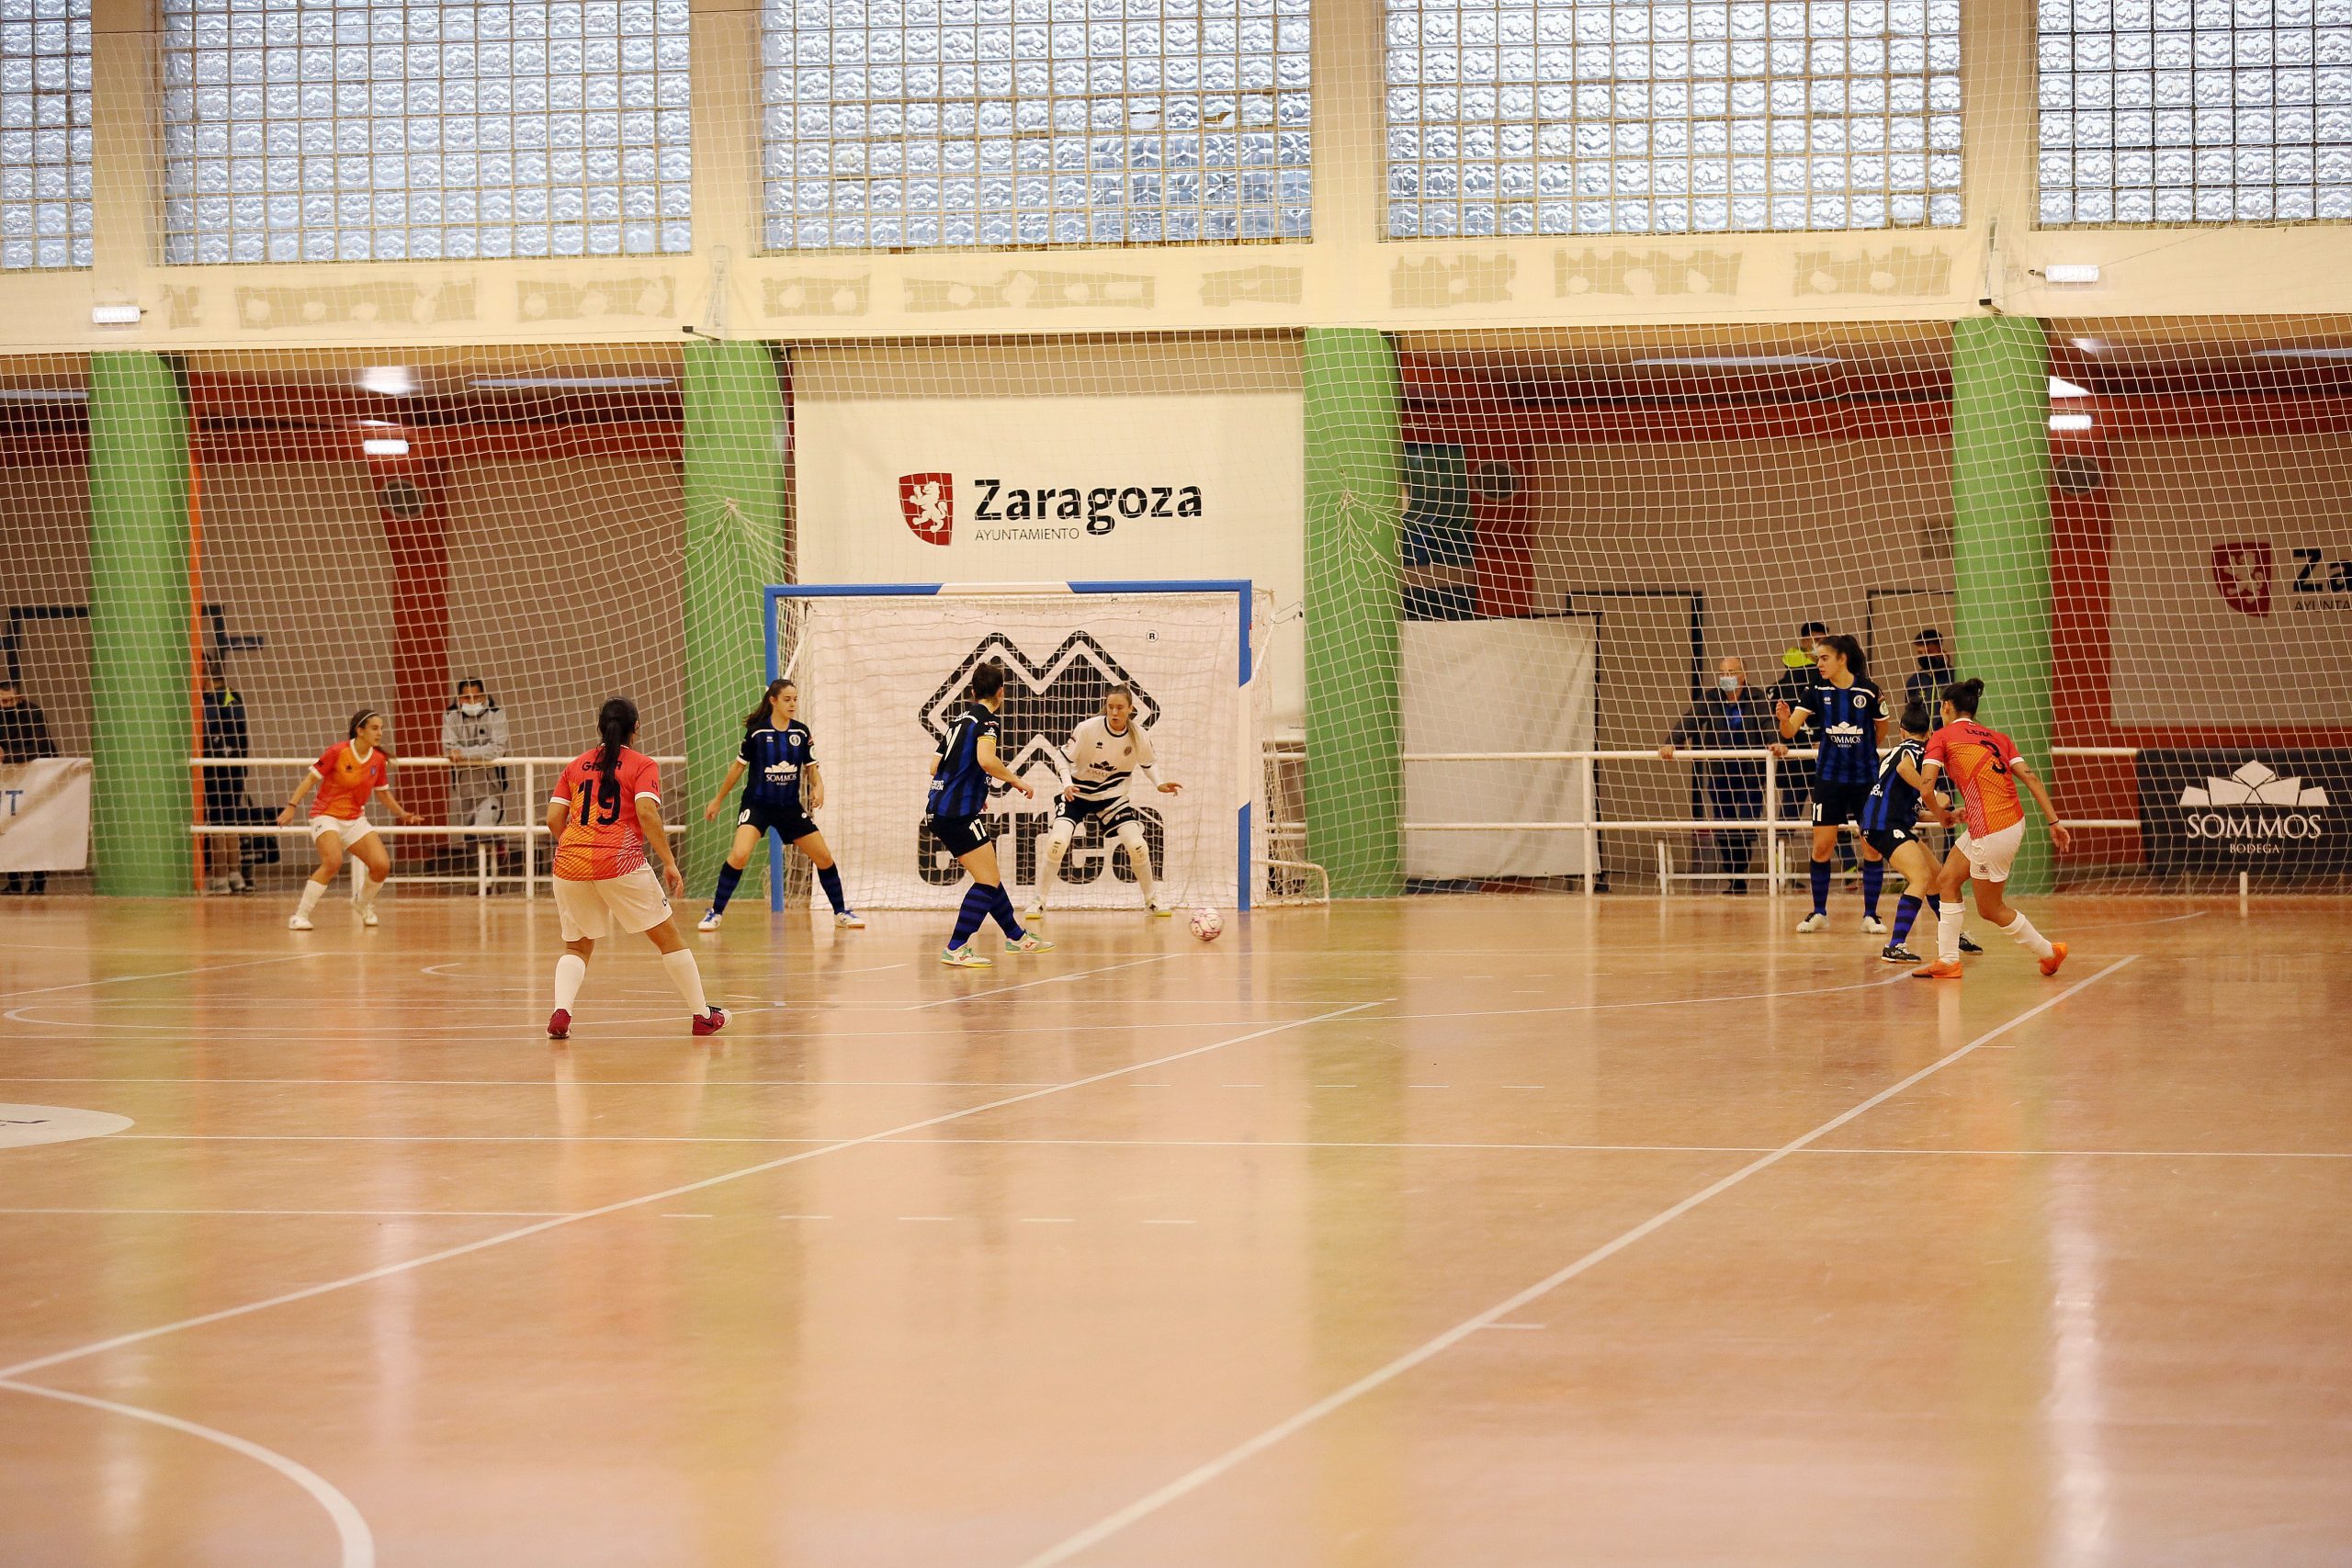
(1938, 971)
(2057, 956)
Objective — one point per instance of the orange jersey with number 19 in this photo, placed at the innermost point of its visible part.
(602, 840)
(1977, 761)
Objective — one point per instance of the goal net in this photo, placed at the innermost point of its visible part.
(883, 672)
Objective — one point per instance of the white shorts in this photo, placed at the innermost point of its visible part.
(633, 902)
(351, 829)
(1989, 857)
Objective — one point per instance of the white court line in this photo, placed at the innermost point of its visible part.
(326, 1214)
(697, 1084)
(408, 1265)
(1193, 1481)
(1047, 980)
(159, 974)
(357, 1542)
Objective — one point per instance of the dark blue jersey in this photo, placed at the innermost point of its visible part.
(1845, 720)
(773, 758)
(958, 787)
(1893, 802)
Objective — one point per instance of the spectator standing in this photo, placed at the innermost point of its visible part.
(1732, 717)
(1926, 685)
(24, 738)
(226, 734)
(473, 736)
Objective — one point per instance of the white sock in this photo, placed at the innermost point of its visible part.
(367, 891)
(570, 974)
(1139, 861)
(1950, 923)
(1051, 867)
(311, 891)
(2021, 931)
(686, 977)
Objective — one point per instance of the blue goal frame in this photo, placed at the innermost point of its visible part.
(772, 595)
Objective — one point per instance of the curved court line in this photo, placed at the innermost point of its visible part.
(408, 1265)
(357, 1541)
(1193, 1481)
(159, 974)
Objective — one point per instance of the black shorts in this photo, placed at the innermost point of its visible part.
(1112, 815)
(1885, 841)
(959, 836)
(788, 823)
(1837, 803)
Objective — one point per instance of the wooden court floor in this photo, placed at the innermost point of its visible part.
(1454, 1233)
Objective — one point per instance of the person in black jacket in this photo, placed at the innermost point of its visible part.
(1926, 685)
(226, 734)
(24, 738)
(1732, 717)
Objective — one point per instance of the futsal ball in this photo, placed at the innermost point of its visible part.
(1207, 924)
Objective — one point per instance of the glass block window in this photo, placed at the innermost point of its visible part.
(318, 130)
(2195, 111)
(1541, 116)
(916, 124)
(44, 134)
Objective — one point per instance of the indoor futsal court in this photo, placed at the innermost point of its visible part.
(1175, 784)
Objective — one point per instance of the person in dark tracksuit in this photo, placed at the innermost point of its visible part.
(1731, 717)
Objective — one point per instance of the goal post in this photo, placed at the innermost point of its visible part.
(882, 667)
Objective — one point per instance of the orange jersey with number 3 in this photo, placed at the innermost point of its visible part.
(602, 840)
(1977, 762)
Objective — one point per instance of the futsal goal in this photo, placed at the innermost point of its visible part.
(882, 669)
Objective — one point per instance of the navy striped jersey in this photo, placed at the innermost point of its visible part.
(1846, 720)
(1894, 803)
(773, 758)
(958, 787)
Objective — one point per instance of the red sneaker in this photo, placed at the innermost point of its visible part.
(560, 1025)
(2057, 956)
(710, 1022)
(1937, 972)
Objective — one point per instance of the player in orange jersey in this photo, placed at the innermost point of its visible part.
(607, 811)
(1985, 768)
(349, 771)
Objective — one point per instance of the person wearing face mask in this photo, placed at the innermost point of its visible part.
(473, 736)
(1926, 685)
(1730, 716)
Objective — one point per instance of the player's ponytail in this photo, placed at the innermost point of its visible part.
(1963, 697)
(759, 715)
(1857, 663)
(1914, 719)
(616, 723)
(988, 680)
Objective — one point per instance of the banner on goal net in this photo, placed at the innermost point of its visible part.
(882, 669)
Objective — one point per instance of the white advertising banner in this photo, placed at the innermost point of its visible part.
(882, 677)
(974, 464)
(2231, 582)
(45, 815)
(1497, 686)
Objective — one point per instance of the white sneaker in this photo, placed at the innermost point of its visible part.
(1159, 911)
(218, 888)
(1812, 923)
(1873, 925)
(1034, 913)
(709, 921)
(848, 921)
(963, 958)
(368, 917)
(298, 923)
(1029, 941)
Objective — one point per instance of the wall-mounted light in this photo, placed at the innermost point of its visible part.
(391, 381)
(2070, 422)
(2062, 387)
(2070, 272)
(114, 315)
(384, 446)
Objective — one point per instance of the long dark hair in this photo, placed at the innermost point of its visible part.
(362, 717)
(616, 723)
(1914, 718)
(767, 700)
(1857, 663)
(1963, 697)
(988, 680)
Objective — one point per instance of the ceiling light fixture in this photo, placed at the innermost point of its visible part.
(391, 380)
(2089, 345)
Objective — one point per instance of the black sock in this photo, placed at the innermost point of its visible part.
(977, 905)
(729, 875)
(830, 879)
(1001, 908)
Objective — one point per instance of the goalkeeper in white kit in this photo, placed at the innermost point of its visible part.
(1106, 753)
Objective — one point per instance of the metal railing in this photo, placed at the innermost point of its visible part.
(489, 871)
(1771, 823)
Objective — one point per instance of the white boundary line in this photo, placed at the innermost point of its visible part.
(159, 974)
(1193, 1481)
(410, 1265)
(358, 1543)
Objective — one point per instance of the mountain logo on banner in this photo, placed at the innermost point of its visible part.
(1043, 701)
(2242, 575)
(2254, 784)
(928, 504)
